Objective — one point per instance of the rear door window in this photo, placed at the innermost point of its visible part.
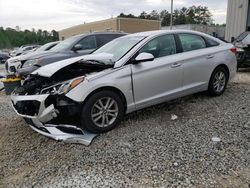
(191, 42)
(211, 43)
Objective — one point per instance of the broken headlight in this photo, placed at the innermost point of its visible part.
(30, 63)
(62, 88)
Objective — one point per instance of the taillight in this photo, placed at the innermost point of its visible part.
(233, 50)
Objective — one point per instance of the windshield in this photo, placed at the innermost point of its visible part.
(66, 44)
(242, 36)
(45, 47)
(119, 47)
(27, 48)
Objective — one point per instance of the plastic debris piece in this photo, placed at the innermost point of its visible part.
(216, 139)
(174, 117)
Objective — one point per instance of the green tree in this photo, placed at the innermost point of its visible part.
(15, 37)
(154, 15)
(143, 15)
(191, 15)
(127, 15)
(199, 15)
(165, 18)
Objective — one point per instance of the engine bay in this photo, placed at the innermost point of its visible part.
(33, 84)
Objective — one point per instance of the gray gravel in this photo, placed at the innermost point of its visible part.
(147, 150)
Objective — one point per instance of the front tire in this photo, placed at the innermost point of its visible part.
(218, 81)
(102, 112)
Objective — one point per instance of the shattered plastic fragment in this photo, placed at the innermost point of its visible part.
(174, 117)
(217, 142)
(216, 139)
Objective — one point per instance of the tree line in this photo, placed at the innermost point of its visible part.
(184, 15)
(10, 37)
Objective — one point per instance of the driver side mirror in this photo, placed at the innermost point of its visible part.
(77, 47)
(143, 57)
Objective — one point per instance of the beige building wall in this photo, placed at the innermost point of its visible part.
(237, 11)
(128, 25)
(132, 25)
(104, 25)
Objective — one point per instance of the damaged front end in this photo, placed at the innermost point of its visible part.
(243, 54)
(243, 57)
(43, 103)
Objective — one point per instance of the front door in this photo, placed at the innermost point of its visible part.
(161, 79)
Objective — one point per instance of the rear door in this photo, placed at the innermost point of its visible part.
(161, 79)
(198, 62)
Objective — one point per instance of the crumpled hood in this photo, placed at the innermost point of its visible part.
(50, 69)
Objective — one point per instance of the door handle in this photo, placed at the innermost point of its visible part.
(175, 65)
(210, 56)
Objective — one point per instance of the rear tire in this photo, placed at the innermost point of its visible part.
(102, 112)
(218, 82)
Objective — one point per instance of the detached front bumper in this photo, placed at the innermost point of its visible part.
(34, 109)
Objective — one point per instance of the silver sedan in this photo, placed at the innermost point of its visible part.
(127, 74)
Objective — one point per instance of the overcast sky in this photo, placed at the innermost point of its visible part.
(60, 14)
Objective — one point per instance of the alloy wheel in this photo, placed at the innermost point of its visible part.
(219, 81)
(104, 112)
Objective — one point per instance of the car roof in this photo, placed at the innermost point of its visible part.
(53, 42)
(152, 34)
(100, 33)
(158, 32)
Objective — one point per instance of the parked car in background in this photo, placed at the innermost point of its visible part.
(13, 51)
(46, 47)
(242, 43)
(127, 74)
(3, 57)
(16, 61)
(24, 50)
(71, 47)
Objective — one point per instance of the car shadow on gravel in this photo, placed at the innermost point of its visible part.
(173, 107)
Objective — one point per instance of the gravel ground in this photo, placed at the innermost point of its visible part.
(147, 150)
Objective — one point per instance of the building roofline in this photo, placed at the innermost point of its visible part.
(139, 19)
(94, 22)
(109, 19)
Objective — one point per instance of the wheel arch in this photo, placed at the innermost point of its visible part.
(109, 88)
(225, 67)
(211, 76)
